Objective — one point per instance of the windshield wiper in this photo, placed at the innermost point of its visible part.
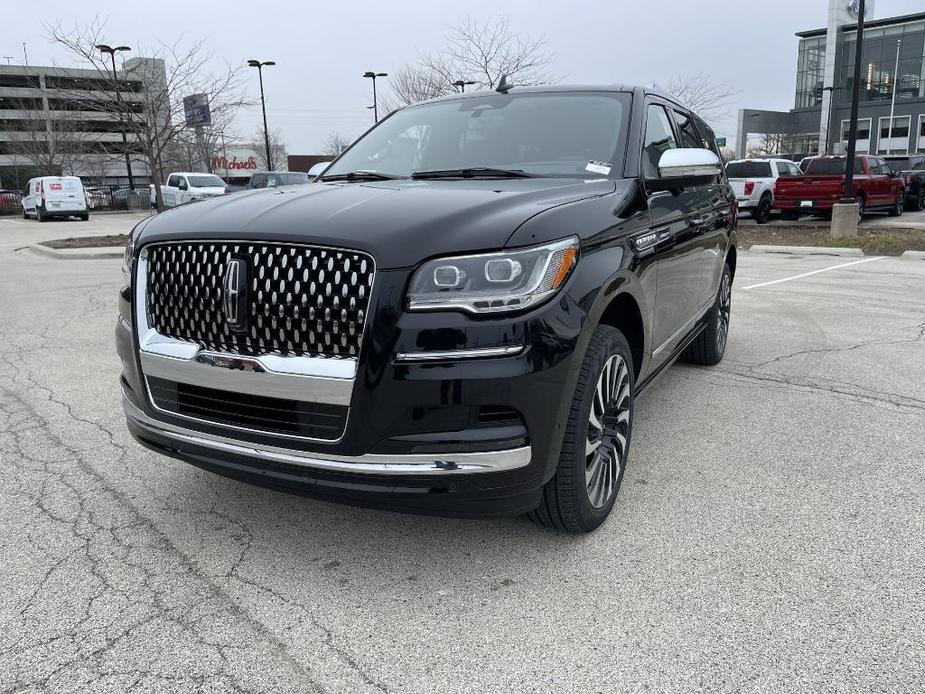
(360, 176)
(473, 172)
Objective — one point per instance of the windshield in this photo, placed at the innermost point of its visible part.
(206, 182)
(748, 169)
(831, 167)
(551, 134)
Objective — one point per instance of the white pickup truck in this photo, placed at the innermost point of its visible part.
(753, 182)
(183, 187)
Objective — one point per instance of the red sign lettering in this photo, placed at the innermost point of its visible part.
(234, 164)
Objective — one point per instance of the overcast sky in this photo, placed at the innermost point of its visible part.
(322, 48)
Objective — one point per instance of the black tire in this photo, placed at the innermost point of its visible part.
(580, 496)
(762, 213)
(84, 217)
(918, 202)
(25, 215)
(39, 215)
(790, 215)
(897, 209)
(862, 208)
(709, 346)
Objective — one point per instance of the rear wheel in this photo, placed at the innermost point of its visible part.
(597, 438)
(84, 217)
(25, 215)
(762, 213)
(709, 346)
(861, 209)
(917, 202)
(39, 214)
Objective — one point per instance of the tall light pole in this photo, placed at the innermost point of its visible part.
(263, 104)
(855, 97)
(373, 75)
(109, 50)
(462, 84)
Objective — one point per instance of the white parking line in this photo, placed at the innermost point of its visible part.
(814, 272)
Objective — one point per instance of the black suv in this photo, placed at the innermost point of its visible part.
(912, 170)
(455, 320)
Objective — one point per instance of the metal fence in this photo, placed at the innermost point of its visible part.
(99, 198)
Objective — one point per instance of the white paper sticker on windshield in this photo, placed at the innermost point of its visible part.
(598, 167)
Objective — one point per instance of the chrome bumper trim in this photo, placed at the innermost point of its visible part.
(451, 355)
(308, 379)
(412, 464)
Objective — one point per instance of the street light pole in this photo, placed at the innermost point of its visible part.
(263, 105)
(373, 75)
(462, 85)
(103, 48)
(889, 142)
(855, 97)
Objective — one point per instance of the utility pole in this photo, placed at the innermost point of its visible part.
(855, 97)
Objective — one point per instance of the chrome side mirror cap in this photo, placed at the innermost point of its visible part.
(318, 169)
(685, 167)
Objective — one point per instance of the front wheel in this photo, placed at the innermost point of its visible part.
(709, 346)
(597, 438)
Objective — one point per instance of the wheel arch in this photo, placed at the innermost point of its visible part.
(623, 313)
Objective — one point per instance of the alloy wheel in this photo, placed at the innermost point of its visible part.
(725, 307)
(608, 431)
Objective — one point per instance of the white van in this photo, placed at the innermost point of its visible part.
(55, 196)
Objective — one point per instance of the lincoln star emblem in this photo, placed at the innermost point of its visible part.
(233, 289)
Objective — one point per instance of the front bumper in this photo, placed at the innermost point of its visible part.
(413, 439)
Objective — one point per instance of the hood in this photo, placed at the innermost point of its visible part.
(400, 223)
(207, 190)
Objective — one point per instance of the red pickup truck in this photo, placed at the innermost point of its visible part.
(876, 187)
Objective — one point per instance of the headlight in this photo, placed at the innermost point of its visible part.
(128, 259)
(493, 282)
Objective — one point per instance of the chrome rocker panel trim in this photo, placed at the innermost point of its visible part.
(412, 464)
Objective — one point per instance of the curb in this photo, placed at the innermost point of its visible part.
(913, 255)
(810, 250)
(78, 253)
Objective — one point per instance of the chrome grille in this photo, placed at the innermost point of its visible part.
(296, 300)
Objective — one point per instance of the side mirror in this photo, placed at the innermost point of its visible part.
(318, 169)
(680, 168)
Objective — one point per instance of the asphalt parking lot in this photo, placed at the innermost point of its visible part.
(768, 536)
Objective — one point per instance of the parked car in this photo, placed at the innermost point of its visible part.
(876, 187)
(804, 162)
(753, 182)
(183, 187)
(912, 170)
(10, 202)
(97, 198)
(451, 324)
(275, 179)
(55, 196)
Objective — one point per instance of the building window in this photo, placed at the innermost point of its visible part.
(880, 75)
(920, 135)
(810, 72)
(900, 135)
(863, 141)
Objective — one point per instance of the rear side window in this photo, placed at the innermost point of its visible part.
(783, 169)
(748, 169)
(173, 181)
(707, 137)
(259, 181)
(659, 139)
(831, 167)
(689, 136)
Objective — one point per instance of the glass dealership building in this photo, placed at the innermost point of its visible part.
(819, 121)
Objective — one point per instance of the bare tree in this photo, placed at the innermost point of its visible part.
(708, 99)
(480, 51)
(277, 150)
(335, 143)
(153, 114)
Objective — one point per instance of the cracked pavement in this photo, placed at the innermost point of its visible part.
(768, 536)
